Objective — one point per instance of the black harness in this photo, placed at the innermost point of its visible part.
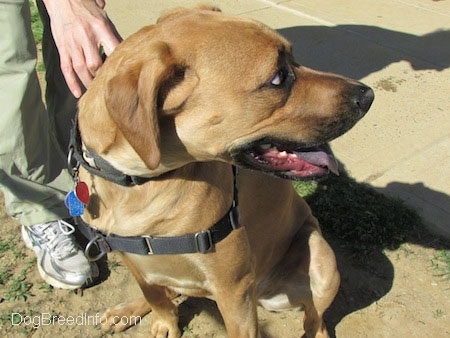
(102, 167)
(201, 242)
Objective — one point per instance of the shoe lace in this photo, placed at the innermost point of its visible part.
(56, 237)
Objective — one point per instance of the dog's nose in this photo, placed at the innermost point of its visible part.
(363, 98)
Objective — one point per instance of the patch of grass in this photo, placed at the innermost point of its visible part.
(305, 188)
(38, 30)
(12, 319)
(362, 219)
(441, 264)
(47, 288)
(36, 23)
(113, 265)
(9, 245)
(19, 288)
(9, 318)
(5, 274)
(439, 313)
(6, 245)
(188, 330)
(40, 67)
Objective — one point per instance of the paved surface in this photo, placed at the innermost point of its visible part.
(401, 48)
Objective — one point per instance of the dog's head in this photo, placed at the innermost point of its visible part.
(202, 86)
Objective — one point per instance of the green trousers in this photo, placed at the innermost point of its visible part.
(33, 137)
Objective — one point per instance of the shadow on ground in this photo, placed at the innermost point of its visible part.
(357, 50)
(360, 224)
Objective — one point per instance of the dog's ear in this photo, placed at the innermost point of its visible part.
(140, 91)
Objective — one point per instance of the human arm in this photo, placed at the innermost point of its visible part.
(80, 28)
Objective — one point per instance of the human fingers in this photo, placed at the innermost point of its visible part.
(70, 76)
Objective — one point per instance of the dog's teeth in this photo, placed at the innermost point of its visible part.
(265, 146)
(283, 154)
(273, 150)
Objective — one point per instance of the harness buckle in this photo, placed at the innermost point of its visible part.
(203, 241)
(149, 244)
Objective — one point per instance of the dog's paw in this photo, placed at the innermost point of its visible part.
(121, 317)
(161, 328)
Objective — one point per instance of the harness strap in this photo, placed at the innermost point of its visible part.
(200, 242)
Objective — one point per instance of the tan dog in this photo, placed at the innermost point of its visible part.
(180, 102)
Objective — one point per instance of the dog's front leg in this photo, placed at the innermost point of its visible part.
(164, 312)
(157, 299)
(237, 305)
(235, 287)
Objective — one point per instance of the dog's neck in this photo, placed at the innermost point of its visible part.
(187, 200)
(199, 194)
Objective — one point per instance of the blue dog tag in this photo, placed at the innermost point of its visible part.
(75, 206)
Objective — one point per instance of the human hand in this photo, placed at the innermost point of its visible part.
(80, 29)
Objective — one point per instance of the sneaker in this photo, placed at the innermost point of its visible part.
(60, 261)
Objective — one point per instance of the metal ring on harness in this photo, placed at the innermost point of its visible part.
(87, 250)
(73, 169)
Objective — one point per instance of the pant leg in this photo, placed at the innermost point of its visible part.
(61, 104)
(33, 174)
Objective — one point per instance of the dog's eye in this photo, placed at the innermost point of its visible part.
(279, 78)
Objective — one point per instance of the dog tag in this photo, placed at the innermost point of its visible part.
(82, 192)
(75, 206)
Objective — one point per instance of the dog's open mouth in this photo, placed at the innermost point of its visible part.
(291, 162)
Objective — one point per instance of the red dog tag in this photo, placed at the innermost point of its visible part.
(82, 192)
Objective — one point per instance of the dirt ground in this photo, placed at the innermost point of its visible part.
(396, 294)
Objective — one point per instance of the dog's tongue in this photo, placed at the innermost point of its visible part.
(302, 163)
(321, 156)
